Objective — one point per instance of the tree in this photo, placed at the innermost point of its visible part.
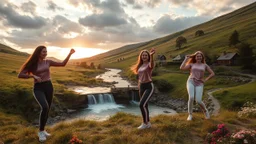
(234, 39)
(246, 55)
(92, 66)
(84, 64)
(99, 66)
(180, 41)
(199, 33)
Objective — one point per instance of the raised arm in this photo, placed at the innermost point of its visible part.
(64, 62)
(152, 52)
(211, 73)
(183, 66)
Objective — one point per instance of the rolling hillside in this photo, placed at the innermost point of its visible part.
(9, 50)
(214, 42)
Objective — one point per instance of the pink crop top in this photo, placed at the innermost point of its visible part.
(197, 73)
(42, 71)
(145, 73)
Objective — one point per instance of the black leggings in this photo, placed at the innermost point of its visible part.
(146, 91)
(43, 93)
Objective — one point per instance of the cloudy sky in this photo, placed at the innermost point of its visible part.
(94, 26)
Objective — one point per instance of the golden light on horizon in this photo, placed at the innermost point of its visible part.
(61, 53)
(86, 52)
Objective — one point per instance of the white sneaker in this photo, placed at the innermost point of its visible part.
(189, 117)
(143, 126)
(41, 136)
(46, 134)
(149, 125)
(207, 115)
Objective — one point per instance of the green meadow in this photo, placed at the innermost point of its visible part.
(17, 103)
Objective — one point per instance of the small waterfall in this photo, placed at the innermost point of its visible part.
(109, 98)
(91, 99)
(100, 99)
(135, 97)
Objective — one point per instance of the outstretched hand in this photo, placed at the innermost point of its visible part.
(152, 51)
(72, 51)
(188, 56)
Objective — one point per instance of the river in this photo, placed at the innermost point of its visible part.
(102, 105)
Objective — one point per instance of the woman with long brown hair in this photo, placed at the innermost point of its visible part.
(38, 68)
(195, 83)
(144, 68)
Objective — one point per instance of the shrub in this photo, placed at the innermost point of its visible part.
(75, 140)
(221, 135)
(163, 85)
(248, 110)
(243, 137)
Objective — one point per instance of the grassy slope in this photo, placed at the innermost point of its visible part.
(234, 97)
(121, 128)
(9, 50)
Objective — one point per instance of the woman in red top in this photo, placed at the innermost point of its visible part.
(195, 83)
(144, 69)
(38, 68)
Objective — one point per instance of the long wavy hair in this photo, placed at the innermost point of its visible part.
(31, 62)
(136, 67)
(192, 58)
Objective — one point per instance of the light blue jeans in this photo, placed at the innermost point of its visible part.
(195, 92)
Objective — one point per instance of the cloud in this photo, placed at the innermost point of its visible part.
(66, 26)
(137, 6)
(75, 3)
(29, 7)
(153, 3)
(167, 25)
(14, 19)
(134, 4)
(130, 1)
(52, 6)
(102, 20)
(210, 8)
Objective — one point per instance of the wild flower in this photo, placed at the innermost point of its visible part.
(75, 140)
(221, 135)
(244, 137)
(248, 110)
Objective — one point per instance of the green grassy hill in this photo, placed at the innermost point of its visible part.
(9, 50)
(214, 42)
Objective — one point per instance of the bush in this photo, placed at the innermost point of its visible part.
(248, 110)
(221, 135)
(163, 85)
(243, 137)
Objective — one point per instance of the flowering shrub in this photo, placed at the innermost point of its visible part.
(75, 140)
(248, 110)
(221, 135)
(244, 137)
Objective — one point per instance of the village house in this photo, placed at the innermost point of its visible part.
(161, 59)
(228, 59)
(179, 58)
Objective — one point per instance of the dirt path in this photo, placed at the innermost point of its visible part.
(215, 102)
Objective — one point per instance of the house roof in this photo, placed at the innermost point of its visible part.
(227, 56)
(178, 57)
